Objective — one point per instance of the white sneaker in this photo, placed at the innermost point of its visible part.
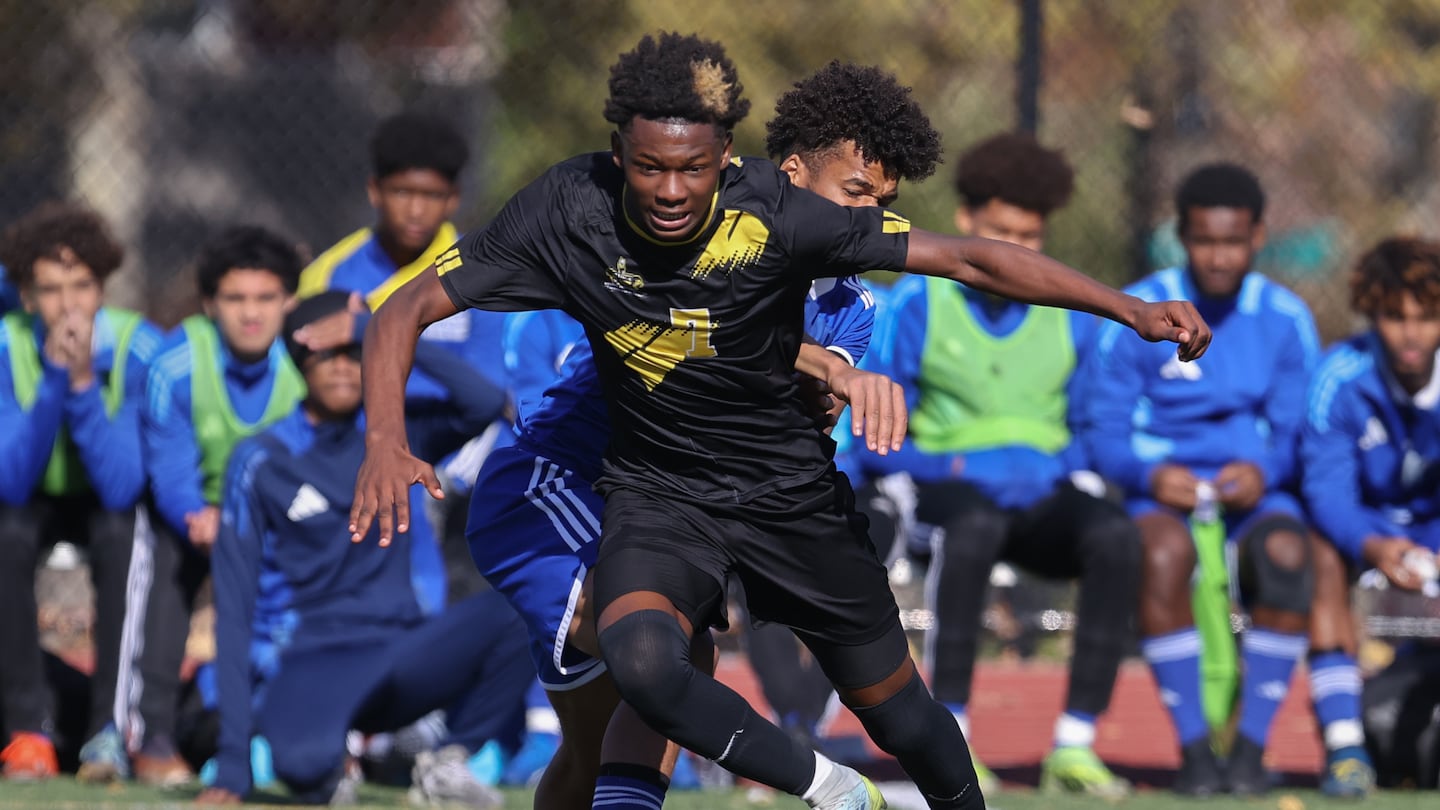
(858, 793)
(443, 778)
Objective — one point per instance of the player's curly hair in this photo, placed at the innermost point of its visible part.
(48, 231)
(1392, 268)
(849, 102)
(1014, 168)
(1219, 185)
(679, 77)
(247, 247)
(417, 141)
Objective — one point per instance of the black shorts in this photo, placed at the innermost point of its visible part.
(803, 556)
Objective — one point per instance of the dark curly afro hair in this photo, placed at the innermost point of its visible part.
(848, 102)
(49, 231)
(676, 77)
(1392, 268)
(417, 141)
(1014, 168)
(1220, 185)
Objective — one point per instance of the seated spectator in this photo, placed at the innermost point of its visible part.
(992, 385)
(220, 377)
(316, 635)
(1370, 447)
(72, 377)
(1167, 431)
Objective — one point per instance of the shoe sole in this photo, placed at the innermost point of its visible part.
(1053, 784)
(27, 777)
(168, 782)
(98, 773)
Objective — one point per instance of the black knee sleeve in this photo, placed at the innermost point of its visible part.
(1272, 585)
(902, 722)
(922, 735)
(648, 657)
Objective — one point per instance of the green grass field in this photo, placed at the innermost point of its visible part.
(66, 794)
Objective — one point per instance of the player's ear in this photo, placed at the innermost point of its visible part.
(795, 168)
(964, 222)
(1257, 237)
(372, 190)
(729, 145)
(617, 149)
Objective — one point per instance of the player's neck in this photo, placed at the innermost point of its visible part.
(399, 255)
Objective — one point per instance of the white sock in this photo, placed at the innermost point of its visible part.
(1072, 731)
(823, 768)
(1343, 734)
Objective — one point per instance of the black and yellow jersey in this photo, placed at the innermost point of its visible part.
(695, 342)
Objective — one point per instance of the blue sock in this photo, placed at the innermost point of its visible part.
(1269, 660)
(629, 787)
(1175, 660)
(1335, 689)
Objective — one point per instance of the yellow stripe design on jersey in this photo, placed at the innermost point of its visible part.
(315, 278)
(739, 242)
(652, 350)
(449, 260)
(894, 223)
(440, 250)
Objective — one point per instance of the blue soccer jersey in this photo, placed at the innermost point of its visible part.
(535, 519)
(1370, 451)
(1243, 401)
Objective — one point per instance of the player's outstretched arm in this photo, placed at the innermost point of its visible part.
(382, 489)
(1024, 275)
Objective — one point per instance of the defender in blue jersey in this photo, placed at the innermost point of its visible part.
(535, 520)
(993, 387)
(72, 375)
(219, 377)
(1164, 431)
(1370, 455)
(715, 466)
(315, 635)
(536, 346)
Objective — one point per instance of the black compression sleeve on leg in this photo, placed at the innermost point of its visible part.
(922, 735)
(648, 656)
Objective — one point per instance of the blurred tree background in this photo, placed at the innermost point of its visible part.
(176, 117)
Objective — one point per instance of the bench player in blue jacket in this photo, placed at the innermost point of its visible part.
(316, 635)
(72, 380)
(1161, 429)
(1370, 454)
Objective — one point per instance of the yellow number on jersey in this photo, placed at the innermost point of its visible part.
(695, 323)
(652, 350)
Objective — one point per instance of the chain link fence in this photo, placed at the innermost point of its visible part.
(175, 118)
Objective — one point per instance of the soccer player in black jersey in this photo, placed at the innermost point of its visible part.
(688, 272)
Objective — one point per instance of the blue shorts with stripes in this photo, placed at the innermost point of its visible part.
(534, 532)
